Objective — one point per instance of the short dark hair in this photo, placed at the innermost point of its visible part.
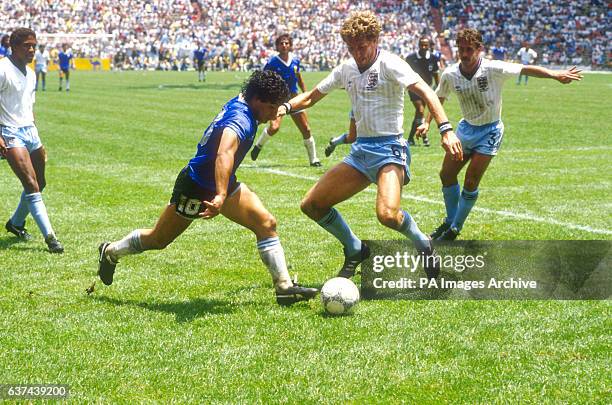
(281, 37)
(266, 85)
(19, 36)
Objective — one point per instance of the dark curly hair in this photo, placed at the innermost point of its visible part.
(267, 86)
(281, 37)
(20, 35)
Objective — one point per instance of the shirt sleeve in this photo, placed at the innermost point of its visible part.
(400, 71)
(444, 87)
(505, 69)
(238, 123)
(332, 81)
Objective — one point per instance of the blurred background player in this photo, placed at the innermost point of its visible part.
(65, 62)
(41, 65)
(426, 64)
(346, 138)
(19, 140)
(287, 66)
(526, 56)
(199, 58)
(207, 186)
(498, 52)
(478, 83)
(5, 47)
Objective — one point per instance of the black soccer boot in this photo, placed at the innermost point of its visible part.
(255, 152)
(106, 268)
(351, 263)
(440, 230)
(295, 293)
(18, 231)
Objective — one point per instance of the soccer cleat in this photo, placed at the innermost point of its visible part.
(316, 163)
(431, 262)
(295, 293)
(53, 244)
(255, 152)
(106, 268)
(426, 142)
(411, 141)
(449, 234)
(18, 231)
(440, 230)
(330, 148)
(351, 263)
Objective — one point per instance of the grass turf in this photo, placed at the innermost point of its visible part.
(197, 322)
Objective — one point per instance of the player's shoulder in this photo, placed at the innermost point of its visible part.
(451, 70)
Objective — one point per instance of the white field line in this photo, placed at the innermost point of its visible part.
(509, 214)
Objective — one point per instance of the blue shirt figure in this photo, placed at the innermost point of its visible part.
(4, 51)
(499, 53)
(199, 54)
(64, 59)
(236, 115)
(287, 70)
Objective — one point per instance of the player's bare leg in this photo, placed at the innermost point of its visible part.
(265, 136)
(245, 208)
(168, 227)
(419, 112)
(301, 122)
(23, 165)
(388, 211)
(338, 184)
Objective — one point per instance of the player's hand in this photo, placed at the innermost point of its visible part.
(569, 75)
(422, 130)
(452, 145)
(282, 110)
(213, 207)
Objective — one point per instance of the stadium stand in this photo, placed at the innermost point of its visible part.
(161, 34)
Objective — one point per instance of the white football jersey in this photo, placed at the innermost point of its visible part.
(16, 95)
(377, 95)
(480, 98)
(527, 56)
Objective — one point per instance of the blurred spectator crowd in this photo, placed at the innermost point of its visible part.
(239, 34)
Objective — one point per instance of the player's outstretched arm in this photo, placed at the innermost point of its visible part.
(223, 170)
(562, 76)
(301, 102)
(450, 142)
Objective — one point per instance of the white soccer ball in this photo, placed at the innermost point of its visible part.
(339, 295)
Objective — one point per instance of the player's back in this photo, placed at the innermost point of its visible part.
(235, 115)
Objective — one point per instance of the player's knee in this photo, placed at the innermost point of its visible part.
(313, 209)
(268, 224)
(471, 183)
(388, 217)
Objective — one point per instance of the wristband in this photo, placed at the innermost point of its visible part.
(287, 107)
(445, 127)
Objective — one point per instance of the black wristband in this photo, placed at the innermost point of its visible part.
(442, 123)
(445, 127)
(288, 107)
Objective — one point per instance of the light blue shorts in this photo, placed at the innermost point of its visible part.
(22, 137)
(369, 155)
(484, 139)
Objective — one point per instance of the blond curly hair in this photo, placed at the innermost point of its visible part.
(361, 24)
(471, 36)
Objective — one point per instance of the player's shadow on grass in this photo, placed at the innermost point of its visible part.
(20, 244)
(184, 311)
(190, 86)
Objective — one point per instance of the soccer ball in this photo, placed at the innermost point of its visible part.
(339, 295)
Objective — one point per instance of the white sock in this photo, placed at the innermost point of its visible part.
(310, 146)
(129, 245)
(273, 256)
(263, 138)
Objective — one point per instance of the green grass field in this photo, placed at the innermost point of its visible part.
(198, 322)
